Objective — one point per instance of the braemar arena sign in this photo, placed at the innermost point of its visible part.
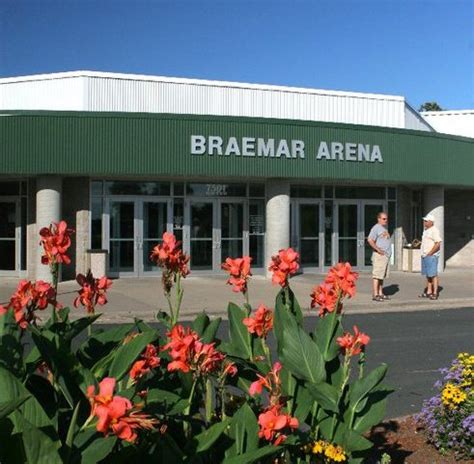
(281, 148)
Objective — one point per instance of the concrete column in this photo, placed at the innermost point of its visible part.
(48, 210)
(76, 213)
(433, 202)
(277, 219)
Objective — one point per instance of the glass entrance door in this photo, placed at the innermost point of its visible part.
(123, 237)
(354, 219)
(348, 239)
(154, 221)
(135, 227)
(306, 232)
(9, 222)
(231, 231)
(202, 234)
(214, 230)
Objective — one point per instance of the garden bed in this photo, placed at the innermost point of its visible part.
(405, 443)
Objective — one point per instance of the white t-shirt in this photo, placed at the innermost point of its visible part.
(428, 240)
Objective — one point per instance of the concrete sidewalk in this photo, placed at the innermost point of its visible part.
(141, 298)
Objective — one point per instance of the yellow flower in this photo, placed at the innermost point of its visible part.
(452, 396)
(336, 453)
(319, 446)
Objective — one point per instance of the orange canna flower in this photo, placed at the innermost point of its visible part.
(353, 345)
(29, 297)
(188, 353)
(55, 240)
(149, 361)
(343, 279)
(262, 323)
(239, 270)
(92, 292)
(284, 265)
(116, 414)
(270, 382)
(325, 296)
(272, 423)
(169, 255)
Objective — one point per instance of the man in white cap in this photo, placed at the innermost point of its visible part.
(430, 251)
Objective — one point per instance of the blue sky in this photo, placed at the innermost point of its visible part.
(423, 50)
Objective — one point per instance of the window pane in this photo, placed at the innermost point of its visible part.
(231, 249)
(97, 187)
(232, 220)
(7, 219)
(256, 250)
(96, 223)
(137, 188)
(347, 221)
(309, 252)
(7, 255)
(309, 220)
(328, 229)
(360, 192)
(178, 189)
(256, 217)
(122, 220)
(305, 191)
(9, 188)
(257, 190)
(121, 256)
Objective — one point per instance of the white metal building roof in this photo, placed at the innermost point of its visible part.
(456, 122)
(100, 91)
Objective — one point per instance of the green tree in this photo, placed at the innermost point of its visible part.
(430, 106)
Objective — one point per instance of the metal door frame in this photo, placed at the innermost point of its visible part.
(296, 227)
(17, 239)
(138, 202)
(217, 258)
(360, 234)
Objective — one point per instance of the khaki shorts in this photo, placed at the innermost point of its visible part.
(380, 266)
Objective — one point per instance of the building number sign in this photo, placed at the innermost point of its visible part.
(216, 190)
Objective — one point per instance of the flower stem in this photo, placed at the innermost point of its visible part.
(208, 402)
(187, 411)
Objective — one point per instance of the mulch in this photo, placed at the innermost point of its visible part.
(406, 443)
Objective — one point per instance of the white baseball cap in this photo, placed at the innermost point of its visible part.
(429, 217)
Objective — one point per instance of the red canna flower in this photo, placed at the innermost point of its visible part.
(272, 423)
(239, 270)
(262, 323)
(29, 297)
(325, 296)
(116, 414)
(169, 256)
(229, 369)
(284, 265)
(188, 353)
(353, 345)
(343, 279)
(270, 382)
(93, 291)
(55, 240)
(149, 361)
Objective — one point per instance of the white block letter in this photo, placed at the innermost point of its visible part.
(363, 152)
(337, 149)
(283, 149)
(297, 148)
(351, 152)
(248, 146)
(376, 154)
(198, 145)
(232, 147)
(323, 151)
(215, 142)
(266, 149)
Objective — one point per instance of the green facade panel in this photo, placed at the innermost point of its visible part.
(128, 144)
